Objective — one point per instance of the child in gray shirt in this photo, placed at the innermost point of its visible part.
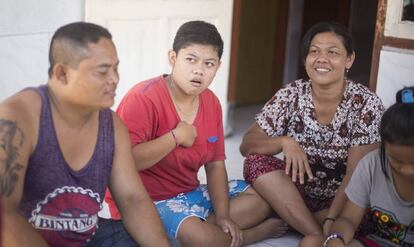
(383, 182)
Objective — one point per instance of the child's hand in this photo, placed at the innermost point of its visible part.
(296, 160)
(185, 134)
(327, 227)
(228, 226)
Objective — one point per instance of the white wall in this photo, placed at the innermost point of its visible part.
(26, 27)
(396, 70)
(396, 66)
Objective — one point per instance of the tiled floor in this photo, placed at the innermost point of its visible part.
(243, 119)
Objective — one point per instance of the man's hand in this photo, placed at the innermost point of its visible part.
(296, 160)
(228, 226)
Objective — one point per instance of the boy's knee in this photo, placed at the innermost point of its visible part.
(196, 233)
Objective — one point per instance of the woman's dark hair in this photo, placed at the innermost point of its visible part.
(198, 32)
(327, 27)
(397, 123)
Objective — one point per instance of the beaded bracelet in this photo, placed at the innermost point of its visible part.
(175, 138)
(335, 235)
(326, 219)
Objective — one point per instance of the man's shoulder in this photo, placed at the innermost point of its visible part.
(19, 116)
(23, 104)
(118, 123)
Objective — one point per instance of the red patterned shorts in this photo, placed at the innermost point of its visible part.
(256, 165)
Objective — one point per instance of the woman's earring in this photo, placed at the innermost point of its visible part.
(346, 72)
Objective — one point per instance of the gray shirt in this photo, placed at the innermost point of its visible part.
(392, 217)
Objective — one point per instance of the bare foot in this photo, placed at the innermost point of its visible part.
(270, 228)
(273, 227)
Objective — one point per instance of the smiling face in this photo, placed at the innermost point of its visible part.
(401, 158)
(327, 59)
(193, 68)
(93, 83)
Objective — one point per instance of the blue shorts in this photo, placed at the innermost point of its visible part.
(196, 203)
(111, 233)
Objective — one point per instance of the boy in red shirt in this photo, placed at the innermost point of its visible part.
(175, 125)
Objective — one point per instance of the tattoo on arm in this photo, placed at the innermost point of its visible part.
(11, 139)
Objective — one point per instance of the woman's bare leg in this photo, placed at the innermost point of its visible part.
(279, 191)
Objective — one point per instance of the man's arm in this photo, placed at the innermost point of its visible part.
(138, 212)
(217, 184)
(16, 135)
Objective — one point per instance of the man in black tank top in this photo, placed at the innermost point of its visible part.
(61, 147)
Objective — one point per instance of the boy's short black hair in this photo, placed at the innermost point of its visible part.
(69, 43)
(198, 32)
(397, 123)
(327, 27)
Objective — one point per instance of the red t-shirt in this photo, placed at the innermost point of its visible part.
(149, 112)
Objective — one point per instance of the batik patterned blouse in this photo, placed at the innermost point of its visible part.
(290, 112)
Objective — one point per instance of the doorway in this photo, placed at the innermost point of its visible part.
(263, 35)
(266, 44)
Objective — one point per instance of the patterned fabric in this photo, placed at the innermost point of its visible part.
(367, 242)
(290, 112)
(388, 226)
(195, 203)
(256, 165)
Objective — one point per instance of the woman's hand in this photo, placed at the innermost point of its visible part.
(296, 160)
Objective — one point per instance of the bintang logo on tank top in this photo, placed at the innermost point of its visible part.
(67, 214)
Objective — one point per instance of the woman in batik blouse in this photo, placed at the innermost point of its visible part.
(322, 126)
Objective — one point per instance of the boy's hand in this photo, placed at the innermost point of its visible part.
(185, 134)
(228, 226)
